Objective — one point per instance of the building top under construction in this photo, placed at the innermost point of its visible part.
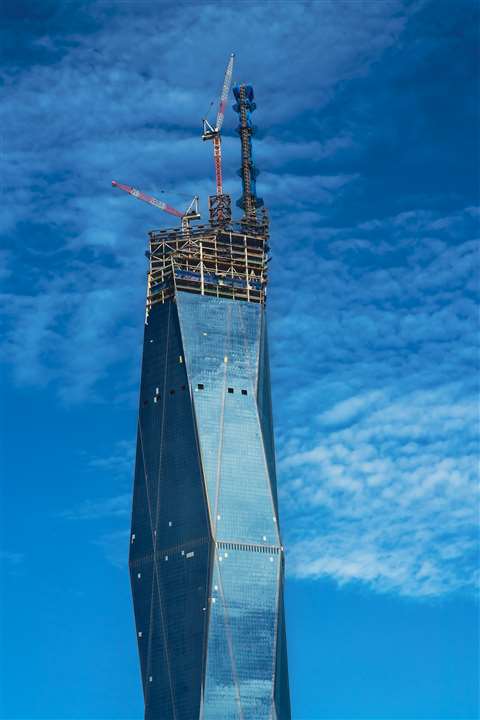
(228, 260)
(225, 258)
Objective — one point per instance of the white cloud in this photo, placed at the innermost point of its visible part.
(375, 362)
(118, 506)
(347, 410)
(11, 558)
(391, 498)
(119, 462)
(114, 546)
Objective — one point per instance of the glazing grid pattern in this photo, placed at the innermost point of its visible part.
(169, 522)
(222, 344)
(209, 617)
(242, 625)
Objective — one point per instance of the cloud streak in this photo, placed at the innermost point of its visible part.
(118, 506)
(13, 559)
(392, 498)
(379, 412)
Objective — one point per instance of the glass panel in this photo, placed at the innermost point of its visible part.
(141, 545)
(169, 512)
(282, 692)
(264, 400)
(142, 603)
(158, 680)
(245, 611)
(183, 589)
(222, 340)
(205, 445)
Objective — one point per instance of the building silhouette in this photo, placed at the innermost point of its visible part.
(206, 556)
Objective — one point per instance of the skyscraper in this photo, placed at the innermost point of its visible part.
(206, 557)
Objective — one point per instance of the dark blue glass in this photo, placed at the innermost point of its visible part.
(206, 557)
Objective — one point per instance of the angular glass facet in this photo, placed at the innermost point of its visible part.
(206, 558)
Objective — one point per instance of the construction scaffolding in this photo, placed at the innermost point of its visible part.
(226, 261)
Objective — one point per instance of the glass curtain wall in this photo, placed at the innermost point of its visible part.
(206, 557)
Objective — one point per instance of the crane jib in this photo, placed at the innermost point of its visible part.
(148, 199)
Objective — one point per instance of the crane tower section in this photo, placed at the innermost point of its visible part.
(219, 204)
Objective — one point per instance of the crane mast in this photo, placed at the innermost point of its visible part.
(219, 204)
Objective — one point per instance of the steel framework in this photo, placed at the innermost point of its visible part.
(229, 261)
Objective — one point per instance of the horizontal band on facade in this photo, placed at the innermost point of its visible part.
(170, 551)
(183, 549)
(249, 547)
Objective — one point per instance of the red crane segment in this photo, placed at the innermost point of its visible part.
(213, 133)
(149, 199)
(224, 96)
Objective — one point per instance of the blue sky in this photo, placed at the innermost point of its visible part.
(368, 151)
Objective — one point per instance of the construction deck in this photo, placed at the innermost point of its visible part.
(227, 261)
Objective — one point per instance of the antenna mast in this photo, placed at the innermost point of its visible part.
(244, 106)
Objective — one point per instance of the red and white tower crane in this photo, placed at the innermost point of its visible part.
(213, 133)
(191, 213)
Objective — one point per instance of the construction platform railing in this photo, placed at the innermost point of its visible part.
(224, 261)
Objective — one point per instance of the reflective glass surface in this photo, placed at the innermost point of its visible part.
(241, 647)
(170, 540)
(222, 341)
(205, 557)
